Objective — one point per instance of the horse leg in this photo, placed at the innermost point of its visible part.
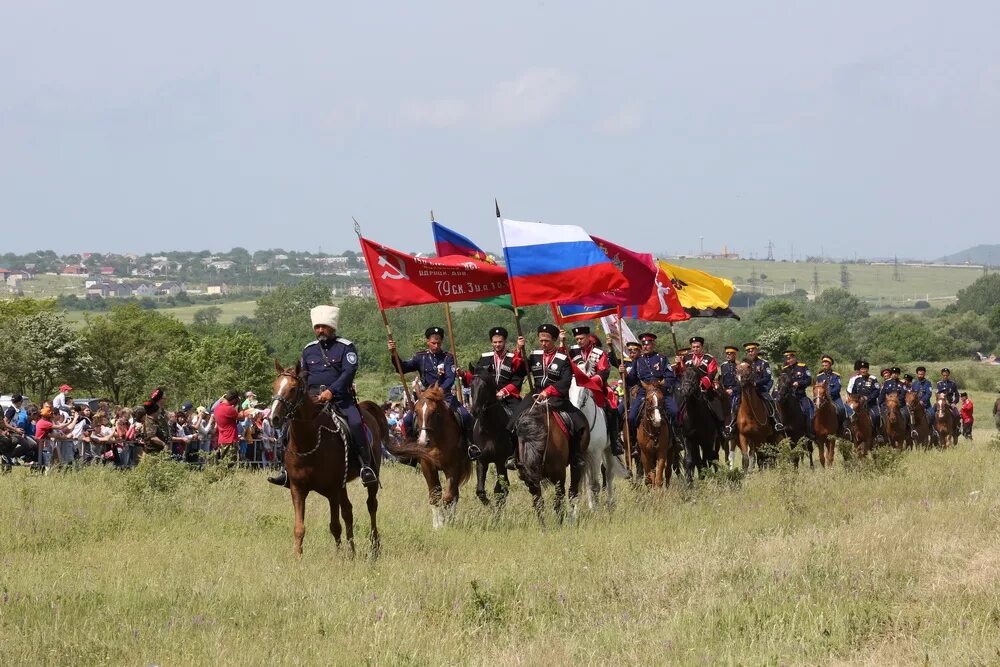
(609, 465)
(744, 452)
(647, 465)
(558, 504)
(482, 467)
(299, 503)
(433, 493)
(537, 501)
(502, 486)
(335, 528)
(372, 503)
(449, 501)
(347, 511)
(659, 465)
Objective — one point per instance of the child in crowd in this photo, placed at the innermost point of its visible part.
(965, 411)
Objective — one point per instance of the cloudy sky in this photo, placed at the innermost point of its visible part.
(848, 128)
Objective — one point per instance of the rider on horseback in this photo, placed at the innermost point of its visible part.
(866, 388)
(652, 367)
(894, 386)
(833, 387)
(703, 361)
(632, 351)
(592, 360)
(508, 370)
(948, 387)
(552, 375)
(925, 390)
(436, 365)
(330, 364)
(730, 385)
(800, 378)
(763, 383)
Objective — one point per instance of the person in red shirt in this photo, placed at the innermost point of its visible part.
(226, 416)
(965, 412)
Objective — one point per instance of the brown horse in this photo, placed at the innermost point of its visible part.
(860, 426)
(920, 424)
(439, 449)
(656, 449)
(893, 423)
(945, 422)
(316, 455)
(752, 422)
(544, 455)
(825, 423)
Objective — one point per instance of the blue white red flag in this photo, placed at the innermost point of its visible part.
(575, 312)
(553, 263)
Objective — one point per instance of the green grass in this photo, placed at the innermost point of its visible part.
(230, 311)
(788, 568)
(45, 286)
(875, 283)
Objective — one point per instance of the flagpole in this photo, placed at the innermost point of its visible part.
(385, 321)
(674, 336)
(451, 342)
(517, 311)
(625, 395)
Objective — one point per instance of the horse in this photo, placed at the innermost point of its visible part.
(945, 423)
(825, 423)
(792, 416)
(544, 455)
(753, 426)
(920, 424)
(859, 425)
(699, 424)
(316, 456)
(656, 449)
(894, 424)
(439, 449)
(598, 454)
(490, 433)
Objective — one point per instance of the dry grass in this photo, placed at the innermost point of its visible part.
(807, 567)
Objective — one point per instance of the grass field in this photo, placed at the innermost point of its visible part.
(230, 311)
(806, 567)
(875, 283)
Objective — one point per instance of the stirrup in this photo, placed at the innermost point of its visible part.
(281, 479)
(473, 451)
(369, 478)
(511, 463)
(778, 426)
(727, 431)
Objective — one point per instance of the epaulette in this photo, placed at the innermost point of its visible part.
(560, 355)
(345, 341)
(315, 342)
(486, 354)
(537, 352)
(835, 373)
(800, 363)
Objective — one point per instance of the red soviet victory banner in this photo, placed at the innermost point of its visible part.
(663, 304)
(401, 280)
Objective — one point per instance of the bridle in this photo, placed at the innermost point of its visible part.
(300, 396)
(292, 406)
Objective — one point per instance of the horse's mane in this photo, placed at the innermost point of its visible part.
(533, 431)
(433, 393)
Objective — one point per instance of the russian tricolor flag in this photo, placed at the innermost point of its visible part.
(548, 263)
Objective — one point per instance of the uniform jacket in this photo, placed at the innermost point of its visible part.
(950, 390)
(891, 386)
(426, 363)
(332, 363)
(508, 371)
(592, 362)
(798, 372)
(651, 368)
(832, 379)
(551, 373)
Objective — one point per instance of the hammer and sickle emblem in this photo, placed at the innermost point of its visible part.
(395, 272)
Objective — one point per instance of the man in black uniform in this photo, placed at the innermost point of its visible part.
(330, 364)
(727, 378)
(552, 375)
(507, 370)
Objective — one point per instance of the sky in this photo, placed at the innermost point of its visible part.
(844, 129)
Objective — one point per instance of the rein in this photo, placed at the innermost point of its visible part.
(291, 408)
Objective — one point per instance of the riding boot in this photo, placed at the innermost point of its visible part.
(575, 455)
(368, 476)
(280, 479)
(614, 433)
(471, 448)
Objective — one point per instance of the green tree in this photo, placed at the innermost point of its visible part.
(125, 345)
(839, 303)
(41, 351)
(207, 366)
(981, 296)
(208, 316)
(282, 317)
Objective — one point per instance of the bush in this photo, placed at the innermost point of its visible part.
(156, 474)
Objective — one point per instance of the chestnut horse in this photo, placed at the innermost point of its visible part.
(894, 424)
(825, 423)
(945, 422)
(920, 424)
(753, 424)
(316, 454)
(544, 455)
(859, 425)
(656, 449)
(438, 448)
(490, 433)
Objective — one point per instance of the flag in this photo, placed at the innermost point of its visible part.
(639, 270)
(700, 294)
(449, 242)
(552, 263)
(662, 305)
(399, 279)
(566, 312)
(612, 325)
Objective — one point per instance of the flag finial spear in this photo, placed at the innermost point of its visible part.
(432, 215)
(498, 207)
(357, 226)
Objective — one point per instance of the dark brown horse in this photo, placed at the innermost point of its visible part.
(825, 423)
(894, 423)
(489, 432)
(544, 455)
(699, 424)
(920, 423)
(945, 422)
(753, 425)
(316, 456)
(656, 448)
(439, 449)
(859, 426)
(792, 415)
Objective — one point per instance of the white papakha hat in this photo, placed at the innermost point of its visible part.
(326, 315)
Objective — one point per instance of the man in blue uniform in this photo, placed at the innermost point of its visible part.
(833, 387)
(800, 377)
(866, 388)
(649, 367)
(948, 387)
(925, 391)
(330, 364)
(763, 381)
(550, 370)
(436, 365)
(727, 377)
(894, 385)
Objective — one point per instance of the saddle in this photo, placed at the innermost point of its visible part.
(341, 426)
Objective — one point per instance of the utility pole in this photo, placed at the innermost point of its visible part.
(815, 281)
(701, 246)
(895, 269)
(845, 277)
(770, 251)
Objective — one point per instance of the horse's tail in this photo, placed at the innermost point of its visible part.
(412, 450)
(533, 433)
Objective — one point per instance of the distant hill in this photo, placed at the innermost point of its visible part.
(980, 254)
